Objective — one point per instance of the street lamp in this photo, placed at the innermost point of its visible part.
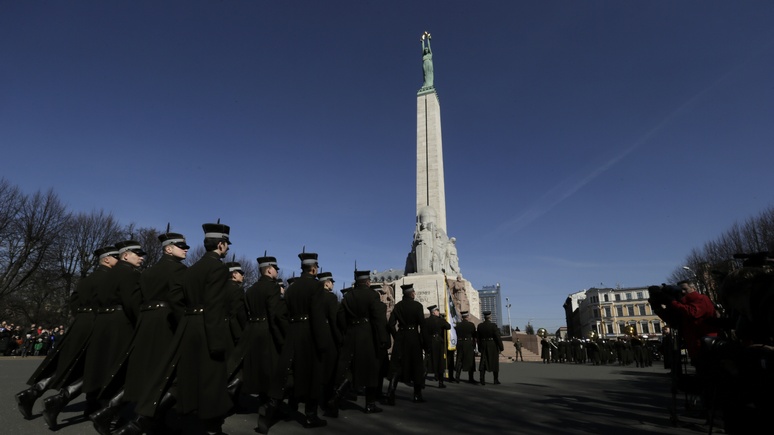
(508, 306)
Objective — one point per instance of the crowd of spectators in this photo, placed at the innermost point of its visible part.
(35, 340)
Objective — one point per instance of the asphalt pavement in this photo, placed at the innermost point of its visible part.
(534, 398)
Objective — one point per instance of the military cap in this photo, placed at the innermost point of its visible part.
(233, 266)
(407, 288)
(308, 258)
(487, 313)
(217, 231)
(432, 308)
(105, 252)
(362, 275)
(267, 261)
(130, 245)
(325, 276)
(464, 313)
(173, 239)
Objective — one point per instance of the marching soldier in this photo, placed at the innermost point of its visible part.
(331, 357)
(63, 368)
(406, 360)
(234, 303)
(435, 329)
(195, 363)
(119, 305)
(304, 347)
(466, 344)
(362, 316)
(160, 311)
(490, 344)
(257, 353)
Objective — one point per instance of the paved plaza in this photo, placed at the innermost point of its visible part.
(534, 398)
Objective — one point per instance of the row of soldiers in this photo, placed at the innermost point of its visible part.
(190, 339)
(624, 351)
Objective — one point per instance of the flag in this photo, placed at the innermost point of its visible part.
(451, 317)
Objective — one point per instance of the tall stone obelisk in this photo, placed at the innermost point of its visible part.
(430, 180)
(433, 266)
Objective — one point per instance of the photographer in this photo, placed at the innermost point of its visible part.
(691, 312)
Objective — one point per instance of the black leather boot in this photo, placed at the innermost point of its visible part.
(457, 375)
(266, 420)
(471, 377)
(332, 407)
(310, 412)
(418, 395)
(103, 418)
(26, 399)
(53, 405)
(497, 378)
(440, 383)
(391, 391)
(134, 427)
(482, 377)
(371, 395)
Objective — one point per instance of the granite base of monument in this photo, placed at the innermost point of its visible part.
(430, 291)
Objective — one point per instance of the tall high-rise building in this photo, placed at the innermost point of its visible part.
(489, 296)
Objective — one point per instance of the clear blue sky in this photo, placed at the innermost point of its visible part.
(584, 142)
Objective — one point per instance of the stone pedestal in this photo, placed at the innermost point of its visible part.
(429, 290)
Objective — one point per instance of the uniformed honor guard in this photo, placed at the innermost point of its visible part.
(258, 351)
(406, 361)
(304, 347)
(63, 367)
(362, 316)
(466, 345)
(118, 307)
(490, 345)
(234, 303)
(435, 329)
(195, 362)
(331, 357)
(160, 311)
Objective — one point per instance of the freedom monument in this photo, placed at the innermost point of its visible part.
(433, 262)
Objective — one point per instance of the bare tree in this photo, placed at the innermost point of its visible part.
(708, 265)
(28, 239)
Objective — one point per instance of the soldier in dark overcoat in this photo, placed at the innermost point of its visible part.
(466, 345)
(490, 345)
(195, 362)
(63, 367)
(234, 303)
(435, 328)
(305, 344)
(118, 307)
(406, 363)
(161, 308)
(362, 316)
(331, 357)
(254, 361)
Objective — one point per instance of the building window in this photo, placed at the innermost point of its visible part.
(630, 308)
(607, 298)
(657, 327)
(628, 296)
(609, 328)
(618, 297)
(645, 328)
(619, 311)
(607, 312)
(641, 308)
(639, 295)
(596, 313)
